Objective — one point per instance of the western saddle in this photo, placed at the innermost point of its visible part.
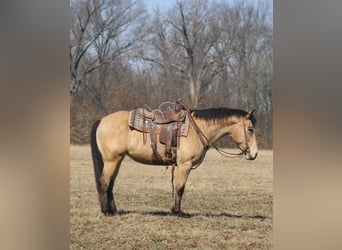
(167, 124)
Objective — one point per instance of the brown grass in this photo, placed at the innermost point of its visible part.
(230, 201)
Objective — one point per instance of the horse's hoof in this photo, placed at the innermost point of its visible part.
(180, 213)
(109, 213)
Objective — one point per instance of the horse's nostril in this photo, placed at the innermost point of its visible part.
(255, 156)
(251, 157)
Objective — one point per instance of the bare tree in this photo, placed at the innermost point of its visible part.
(80, 41)
(103, 34)
(246, 31)
(183, 43)
(213, 53)
(101, 30)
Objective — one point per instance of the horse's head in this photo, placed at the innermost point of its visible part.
(244, 136)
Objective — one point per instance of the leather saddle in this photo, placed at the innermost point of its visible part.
(166, 125)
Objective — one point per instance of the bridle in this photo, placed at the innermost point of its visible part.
(242, 152)
(205, 140)
(247, 149)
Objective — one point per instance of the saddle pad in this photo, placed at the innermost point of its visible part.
(136, 121)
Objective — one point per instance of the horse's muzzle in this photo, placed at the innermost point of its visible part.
(250, 157)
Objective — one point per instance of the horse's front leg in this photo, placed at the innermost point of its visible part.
(183, 172)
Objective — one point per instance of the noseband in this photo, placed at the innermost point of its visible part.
(247, 149)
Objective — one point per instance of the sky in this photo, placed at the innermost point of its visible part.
(166, 4)
(162, 4)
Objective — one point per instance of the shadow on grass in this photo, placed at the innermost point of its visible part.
(208, 215)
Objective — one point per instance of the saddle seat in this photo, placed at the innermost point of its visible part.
(162, 117)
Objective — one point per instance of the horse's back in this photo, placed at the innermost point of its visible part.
(112, 133)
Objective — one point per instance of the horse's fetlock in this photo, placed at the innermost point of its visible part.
(180, 191)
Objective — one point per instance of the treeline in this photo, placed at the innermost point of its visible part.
(208, 53)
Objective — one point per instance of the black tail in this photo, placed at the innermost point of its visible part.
(96, 155)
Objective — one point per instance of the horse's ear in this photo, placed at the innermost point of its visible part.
(250, 114)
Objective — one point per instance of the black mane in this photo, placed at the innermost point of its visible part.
(213, 114)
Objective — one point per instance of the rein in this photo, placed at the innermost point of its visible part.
(205, 140)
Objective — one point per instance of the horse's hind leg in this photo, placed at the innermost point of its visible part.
(106, 197)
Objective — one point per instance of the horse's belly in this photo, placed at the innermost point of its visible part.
(139, 151)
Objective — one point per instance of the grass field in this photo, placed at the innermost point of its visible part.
(229, 200)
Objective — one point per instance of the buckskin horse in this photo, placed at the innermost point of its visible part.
(113, 137)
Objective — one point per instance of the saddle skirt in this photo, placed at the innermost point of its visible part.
(164, 126)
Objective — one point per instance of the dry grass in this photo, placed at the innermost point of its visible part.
(230, 201)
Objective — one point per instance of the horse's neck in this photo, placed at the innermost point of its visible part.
(215, 131)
